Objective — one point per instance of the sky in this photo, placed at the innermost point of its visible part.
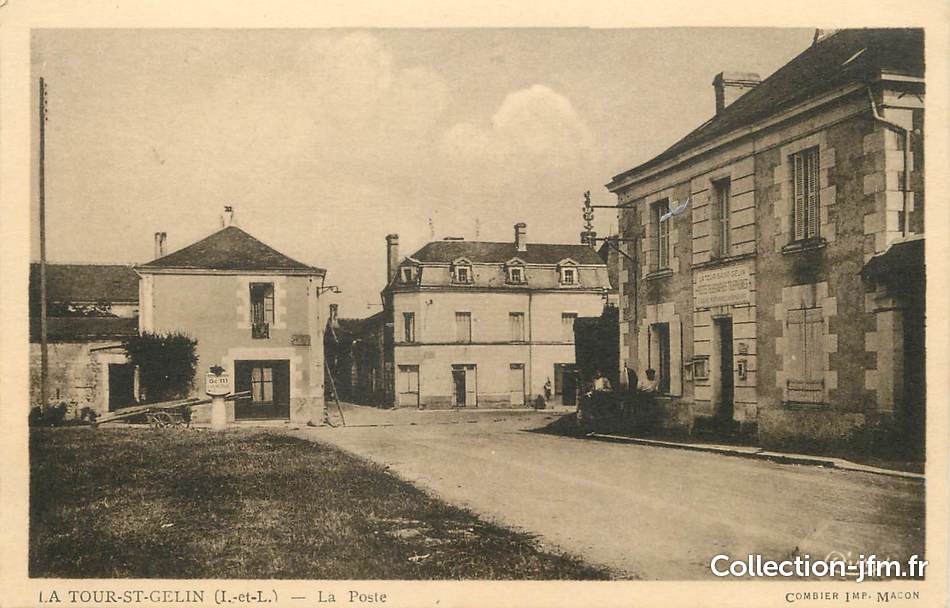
(325, 141)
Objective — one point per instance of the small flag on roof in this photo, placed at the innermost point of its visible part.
(675, 211)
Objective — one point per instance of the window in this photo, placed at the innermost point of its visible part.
(805, 360)
(262, 309)
(568, 275)
(463, 327)
(407, 274)
(660, 355)
(462, 273)
(805, 204)
(516, 322)
(516, 274)
(661, 234)
(409, 326)
(262, 384)
(567, 326)
(721, 193)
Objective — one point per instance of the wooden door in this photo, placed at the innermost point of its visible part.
(516, 383)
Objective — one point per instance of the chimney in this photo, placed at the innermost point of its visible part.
(392, 255)
(227, 217)
(334, 311)
(159, 245)
(521, 236)
(589, 238)
(730, 86)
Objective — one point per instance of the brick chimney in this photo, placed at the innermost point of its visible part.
(392, 256)
(521, 236)
(227, 218)
(159, 245)
(730, 86)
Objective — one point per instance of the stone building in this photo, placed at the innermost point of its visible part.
(487, 324)
(354, 353)
(254, 312)
(90, 309)
(779, 281)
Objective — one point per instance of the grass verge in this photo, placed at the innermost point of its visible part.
(110, 503)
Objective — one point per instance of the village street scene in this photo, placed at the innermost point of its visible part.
(475, 304)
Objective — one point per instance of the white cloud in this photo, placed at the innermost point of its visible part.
(534, 129)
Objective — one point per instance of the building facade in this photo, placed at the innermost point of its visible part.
(763, 292)
(487, 324)
(91, 308)
(253, 311)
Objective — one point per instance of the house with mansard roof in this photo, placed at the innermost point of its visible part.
(253, 311)
(487, 324)
(777, 282)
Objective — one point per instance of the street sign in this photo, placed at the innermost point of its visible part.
(217, 384)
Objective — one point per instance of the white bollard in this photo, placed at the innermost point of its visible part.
(219, 413)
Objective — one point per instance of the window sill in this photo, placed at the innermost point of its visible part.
(807, 245)
(659, 274)
(804, 405)
(721, 261)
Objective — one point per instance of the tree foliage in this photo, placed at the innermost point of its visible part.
(167, 364)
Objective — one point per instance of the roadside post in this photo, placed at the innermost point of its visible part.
(217, 385)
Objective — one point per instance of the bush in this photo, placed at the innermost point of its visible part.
(167, 364)
(55, 415)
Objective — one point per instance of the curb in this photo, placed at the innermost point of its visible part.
(760, 454)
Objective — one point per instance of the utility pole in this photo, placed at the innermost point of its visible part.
(44, 352)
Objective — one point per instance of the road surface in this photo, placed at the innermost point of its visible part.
(645, 512)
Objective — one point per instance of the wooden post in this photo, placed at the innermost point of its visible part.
(44, 348)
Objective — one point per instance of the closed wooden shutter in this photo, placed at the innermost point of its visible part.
(798, 188)
(806, 363)
(811, 193)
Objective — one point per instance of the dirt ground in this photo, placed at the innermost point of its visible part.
(647, 512)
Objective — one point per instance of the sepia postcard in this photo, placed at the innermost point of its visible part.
(415, 305)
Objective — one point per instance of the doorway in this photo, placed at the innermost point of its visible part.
(464, 383)
(121, 385)
(565, 382)
(269, 384)
(725, 402)
(516, 383)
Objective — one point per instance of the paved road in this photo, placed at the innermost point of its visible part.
(647, 512)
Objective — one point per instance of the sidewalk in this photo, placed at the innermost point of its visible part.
(365, 415)
(761, 454)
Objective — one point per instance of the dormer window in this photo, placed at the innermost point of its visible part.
(407, 274)
(462, 271)
(514, 272)
(568, 273)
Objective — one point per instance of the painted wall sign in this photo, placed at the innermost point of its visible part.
(216, 385)
(722, 286)
(300, 340)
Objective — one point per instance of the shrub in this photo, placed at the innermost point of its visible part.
(167, 364)
(53, 414)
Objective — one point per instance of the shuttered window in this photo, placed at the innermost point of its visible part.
(409, 326)
(463, 327)
(567, 326)
(805, 371)
(516, 323)
(805, 209)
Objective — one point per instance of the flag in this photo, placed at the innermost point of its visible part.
(675, 211)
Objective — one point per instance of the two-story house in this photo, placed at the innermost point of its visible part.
(779, 278)
(487, 324)
(253, 311)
